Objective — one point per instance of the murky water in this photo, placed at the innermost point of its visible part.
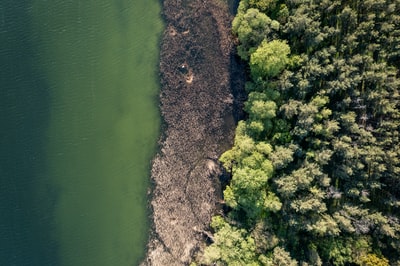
(79, 125)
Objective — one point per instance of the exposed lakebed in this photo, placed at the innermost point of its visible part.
(200, 91)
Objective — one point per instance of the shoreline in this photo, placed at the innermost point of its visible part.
(198, 98)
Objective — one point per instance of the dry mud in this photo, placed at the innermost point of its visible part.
(201, 85)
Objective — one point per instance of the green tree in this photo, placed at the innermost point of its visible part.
(232, 246)
(269, 59)
(263, 5)
(251, 28)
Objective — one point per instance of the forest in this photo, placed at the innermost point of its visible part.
(315, 166)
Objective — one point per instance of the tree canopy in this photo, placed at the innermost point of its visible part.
(269, 59)
(315, 167)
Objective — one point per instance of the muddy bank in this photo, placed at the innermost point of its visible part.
(197, 103)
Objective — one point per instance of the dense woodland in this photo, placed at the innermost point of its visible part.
(315, 167)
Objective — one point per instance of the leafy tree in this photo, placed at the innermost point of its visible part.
(231, 246)
(251, 28)
(263, 5)
(373, 260)
(281, 257)
(269, 59)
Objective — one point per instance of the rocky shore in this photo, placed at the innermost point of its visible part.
(197, 101)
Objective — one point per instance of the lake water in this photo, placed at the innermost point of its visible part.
(79, 124)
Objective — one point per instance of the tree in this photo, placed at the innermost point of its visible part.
(263, 5)
(251, 28)
(269, 59)
(373, 260)
(231, 246)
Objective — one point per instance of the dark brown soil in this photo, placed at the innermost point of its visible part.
(197, 102)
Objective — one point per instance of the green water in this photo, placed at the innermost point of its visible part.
(89, 70)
